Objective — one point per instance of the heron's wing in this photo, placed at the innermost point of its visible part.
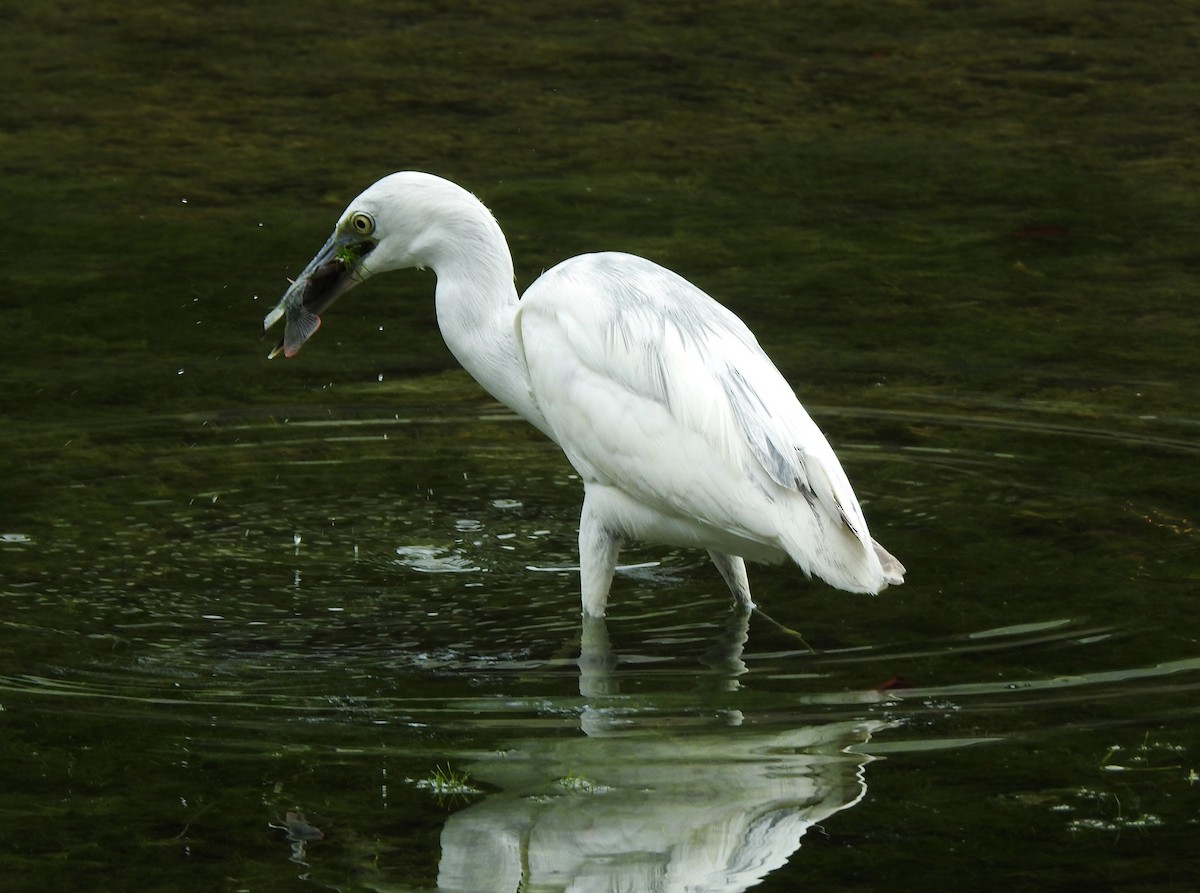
(650, 385)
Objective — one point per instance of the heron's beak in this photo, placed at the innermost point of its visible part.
(336, 269)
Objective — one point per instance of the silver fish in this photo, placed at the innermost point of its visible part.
(334, 271)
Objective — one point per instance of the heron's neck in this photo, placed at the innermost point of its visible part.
(476, 306)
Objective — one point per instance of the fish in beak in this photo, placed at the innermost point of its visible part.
(336, 269)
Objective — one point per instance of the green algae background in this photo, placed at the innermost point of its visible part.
(967, 233)
(993, 194)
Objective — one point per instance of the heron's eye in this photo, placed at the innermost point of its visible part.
(363, 223)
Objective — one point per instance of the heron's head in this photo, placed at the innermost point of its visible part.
(395, 223)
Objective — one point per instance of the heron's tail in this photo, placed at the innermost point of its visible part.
(893, 570)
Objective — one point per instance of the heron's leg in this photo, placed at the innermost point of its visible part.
(596, 659)
(733, 572)
(598, 548)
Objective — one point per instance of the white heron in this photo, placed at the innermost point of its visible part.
(679, 425)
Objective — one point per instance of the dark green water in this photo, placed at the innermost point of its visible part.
(233, 590)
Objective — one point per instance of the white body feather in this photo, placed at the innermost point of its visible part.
(681, 428)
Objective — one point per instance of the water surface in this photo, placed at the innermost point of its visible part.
(314, 624)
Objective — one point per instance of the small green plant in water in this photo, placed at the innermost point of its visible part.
(450, 778)
(449, 783)
(577, 784)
